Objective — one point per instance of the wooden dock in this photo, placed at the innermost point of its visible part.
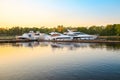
(77, 41)
(86, 41)
(15, 41)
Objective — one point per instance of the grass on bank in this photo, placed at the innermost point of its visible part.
(6, 37)
(114, 38)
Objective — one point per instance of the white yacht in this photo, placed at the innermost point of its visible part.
(59, 36)
(81, 35)
(30, 36)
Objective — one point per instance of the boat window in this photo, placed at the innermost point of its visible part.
(71, 34)
(37, 34)
(55, 35)
(64, 38)
(80, 33)
(29, 35)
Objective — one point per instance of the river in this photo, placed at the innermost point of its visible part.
(59, 61)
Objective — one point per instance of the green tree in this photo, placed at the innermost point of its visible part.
(117, 27)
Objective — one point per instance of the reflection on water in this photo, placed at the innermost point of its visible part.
(59, 61)
(71, 46)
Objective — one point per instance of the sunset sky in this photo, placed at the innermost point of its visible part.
(50, 13)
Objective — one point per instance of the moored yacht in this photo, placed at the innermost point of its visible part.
(30, 36)
(59, 36)
(81, 35)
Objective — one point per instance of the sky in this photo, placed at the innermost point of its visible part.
(50, 13)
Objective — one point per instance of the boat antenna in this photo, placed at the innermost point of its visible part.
(69, 30)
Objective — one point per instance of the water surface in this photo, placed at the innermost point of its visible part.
(59, 61)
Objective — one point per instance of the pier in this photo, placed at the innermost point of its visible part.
(15, 40)
(77, 41)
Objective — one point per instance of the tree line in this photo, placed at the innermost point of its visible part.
(108, 30)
